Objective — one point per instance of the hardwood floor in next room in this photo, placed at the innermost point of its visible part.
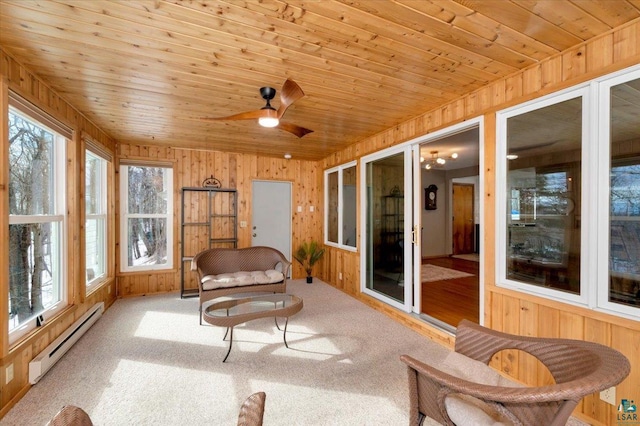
(454, 299)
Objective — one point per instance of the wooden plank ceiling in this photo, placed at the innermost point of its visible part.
(146, 71)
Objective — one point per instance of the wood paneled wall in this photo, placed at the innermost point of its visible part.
(15, 77)
(507, 310)
(237, 171)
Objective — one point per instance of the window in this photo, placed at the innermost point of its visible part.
(340, 206)
(620, 133)
(146, 217)
(96, 218)
(37, 222)
(543, 146)
(543, 246)
(569, 221)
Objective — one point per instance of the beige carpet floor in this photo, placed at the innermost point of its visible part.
(148, 362)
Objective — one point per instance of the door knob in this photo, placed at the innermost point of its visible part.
(255, 235)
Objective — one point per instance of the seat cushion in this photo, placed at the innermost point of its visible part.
(241, 278)
(464, 409)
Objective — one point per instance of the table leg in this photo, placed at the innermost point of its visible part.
(286, 321)
(275, 305)
(225, 334)
(277, 325)
(230, 343)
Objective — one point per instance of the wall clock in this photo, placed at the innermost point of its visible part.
(431, 197)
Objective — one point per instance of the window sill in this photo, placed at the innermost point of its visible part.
(35, 334)
(147, 272)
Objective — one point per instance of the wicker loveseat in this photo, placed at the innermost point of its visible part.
(227, 271)
(443, 393)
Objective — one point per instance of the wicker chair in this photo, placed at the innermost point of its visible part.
(71, 415)
(579, 368)
(252, 410)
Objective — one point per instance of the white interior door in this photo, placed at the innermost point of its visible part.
(271, 215)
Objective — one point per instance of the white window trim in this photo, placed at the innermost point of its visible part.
(100, 217)
(603, 86)
(594, 269)
(501, 190)
(124, 216)
(60, 250)
(339, 169)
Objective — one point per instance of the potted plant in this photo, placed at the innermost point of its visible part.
(308, 254)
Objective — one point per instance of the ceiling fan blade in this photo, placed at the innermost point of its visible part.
(290, 93)
(292, 128)
(249, 115)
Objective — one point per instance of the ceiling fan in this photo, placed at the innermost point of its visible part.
(268, 116)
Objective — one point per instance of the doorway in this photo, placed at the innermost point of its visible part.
(271, 215)
(463, 233)
(406, 215)
(450, 268)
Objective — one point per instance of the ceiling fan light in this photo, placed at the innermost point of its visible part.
(268, 121)
(440, 160)
(511, 156)
(454, 155)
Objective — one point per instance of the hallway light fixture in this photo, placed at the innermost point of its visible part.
(436, 160)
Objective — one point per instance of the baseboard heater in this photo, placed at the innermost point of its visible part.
(52, 353)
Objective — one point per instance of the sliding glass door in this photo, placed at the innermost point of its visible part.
(387, 218)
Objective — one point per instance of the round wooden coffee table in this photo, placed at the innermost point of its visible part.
(231, 312)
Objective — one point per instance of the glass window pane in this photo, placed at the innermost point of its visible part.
(146, 217)
(96, 215)
(349, 214)
(95, 248)
(385, 226)
(93, 184)
(34, 265)
(35, 272)
(543, 214)
(147, 242)
(147, 190)
(30, 167)
(624, 195)
(332, 208)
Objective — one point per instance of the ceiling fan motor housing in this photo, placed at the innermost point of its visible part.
(267, 93)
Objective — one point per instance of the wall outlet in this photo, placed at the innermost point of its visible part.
(339, 275)
(9, 374)
(243, 224)
(609, 395)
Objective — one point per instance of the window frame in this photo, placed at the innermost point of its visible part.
(603, 85)
(102, 216)
(595, 189)
(62, 136)
(581, 91)
(340, 207)
(125, 216)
